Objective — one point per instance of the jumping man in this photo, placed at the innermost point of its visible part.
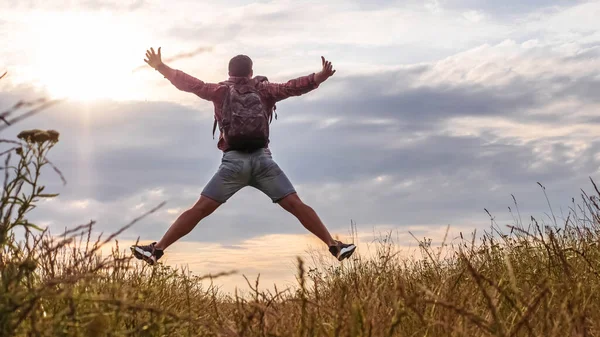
(244, 107)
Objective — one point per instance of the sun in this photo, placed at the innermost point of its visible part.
(87, 56)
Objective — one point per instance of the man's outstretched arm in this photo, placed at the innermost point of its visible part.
(300, 85)
(179, 79)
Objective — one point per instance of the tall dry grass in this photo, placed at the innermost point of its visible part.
(529, 279)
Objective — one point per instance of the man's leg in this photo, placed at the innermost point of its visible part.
(269, 178)
(310, 220)
(233, 175)
(187, 221)
(307, 217)
(181, 227)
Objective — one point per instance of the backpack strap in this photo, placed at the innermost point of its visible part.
(259, 79)
(214, 127)
(274, 113)
(226, 84)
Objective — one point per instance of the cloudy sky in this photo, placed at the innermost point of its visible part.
(438, 109)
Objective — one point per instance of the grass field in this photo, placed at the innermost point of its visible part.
(532, 280)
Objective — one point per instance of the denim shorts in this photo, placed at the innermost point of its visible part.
(241, 169)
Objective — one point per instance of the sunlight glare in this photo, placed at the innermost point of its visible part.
(87, 56)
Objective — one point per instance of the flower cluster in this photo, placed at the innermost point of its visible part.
(39, 136)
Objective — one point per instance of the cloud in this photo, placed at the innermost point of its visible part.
(509, 8)
(421, 144)
(437, 111)
(286, 23)
(179, 56)
(95, 5)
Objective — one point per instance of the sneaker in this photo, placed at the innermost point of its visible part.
(342, 251)
(147, 253)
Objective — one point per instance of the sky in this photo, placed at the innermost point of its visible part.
(438, 109)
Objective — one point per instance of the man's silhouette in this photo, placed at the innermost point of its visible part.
(243, 108)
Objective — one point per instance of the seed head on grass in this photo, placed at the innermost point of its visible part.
(37, 136)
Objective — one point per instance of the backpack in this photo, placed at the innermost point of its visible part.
(245, 117)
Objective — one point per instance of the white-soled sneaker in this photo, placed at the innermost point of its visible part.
(148, 253)
(342, 251)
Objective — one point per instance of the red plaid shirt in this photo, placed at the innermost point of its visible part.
(271, 92)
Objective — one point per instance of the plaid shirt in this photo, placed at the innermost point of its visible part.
(270, 92)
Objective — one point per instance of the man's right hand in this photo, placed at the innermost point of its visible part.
(325, 73)
(154, 60)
